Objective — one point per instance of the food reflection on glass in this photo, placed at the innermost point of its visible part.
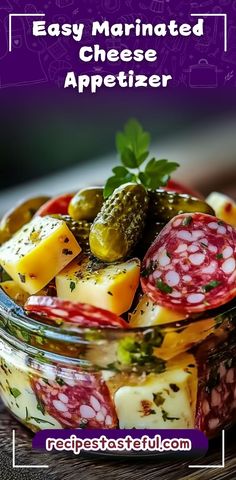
(118, 303)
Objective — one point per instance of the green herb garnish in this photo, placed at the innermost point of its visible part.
(174, 387)
(41, 407)
(28, 418)
(130, 351)
(165, 416)
(211, 285)
(60, 381)
(133, 147)
(23, 334)
(40, 420)
(15, 392)
(148, 270)
(26, 414)
(40, 357)
(163, 287)
(39, 340)
(219, 256)
(158, 399)
(72, 286)
(186, 221)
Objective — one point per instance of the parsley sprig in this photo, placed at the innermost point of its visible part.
(133, 147)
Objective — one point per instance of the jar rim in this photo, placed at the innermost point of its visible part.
(66, 345)
(16, 314)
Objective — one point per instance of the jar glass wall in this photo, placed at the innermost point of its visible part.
(177, 375)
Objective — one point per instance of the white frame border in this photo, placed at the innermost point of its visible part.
(224, 15)
(14, 465)
(11, 15)
(222, 465)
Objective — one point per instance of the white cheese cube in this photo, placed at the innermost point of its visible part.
(166, 400)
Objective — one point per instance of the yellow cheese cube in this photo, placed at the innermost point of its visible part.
(183, 338)
(149, 314)
(38, 252)
(165, 400)
(14, 291)
(224, 207)
(111, 287)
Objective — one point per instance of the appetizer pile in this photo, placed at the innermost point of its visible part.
(140, 252)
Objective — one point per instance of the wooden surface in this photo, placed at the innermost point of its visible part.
(69, 467)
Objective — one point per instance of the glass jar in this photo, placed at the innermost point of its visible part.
(177, 375)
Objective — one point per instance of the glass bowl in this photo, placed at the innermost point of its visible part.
(176, 375)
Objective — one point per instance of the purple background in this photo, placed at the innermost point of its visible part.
(194, 62)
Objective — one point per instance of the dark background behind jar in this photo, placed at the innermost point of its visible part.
(42, 133)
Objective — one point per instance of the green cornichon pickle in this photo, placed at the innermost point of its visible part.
(80, 229)
(119, 225)
(166, 205)
(86, 204)
(19, 215)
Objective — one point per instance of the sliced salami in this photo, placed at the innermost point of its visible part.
(216, 401)
(191, 266)
(81, 314)
(78, 400)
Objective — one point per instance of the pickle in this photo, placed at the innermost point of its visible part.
(119, 225)
(79, 229)
(86, 204)
(18, 216)
(166, 205)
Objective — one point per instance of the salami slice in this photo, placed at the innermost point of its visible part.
(191, 266)
(76, 400)
(81, 314)
(216, 402)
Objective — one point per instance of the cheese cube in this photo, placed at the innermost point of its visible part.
(149, 314)
(224, 207)
(14, 291)
(111, 287)
(38, 252)
(17, 394)
(166, 400)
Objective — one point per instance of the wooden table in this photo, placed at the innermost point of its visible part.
(69, 467)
